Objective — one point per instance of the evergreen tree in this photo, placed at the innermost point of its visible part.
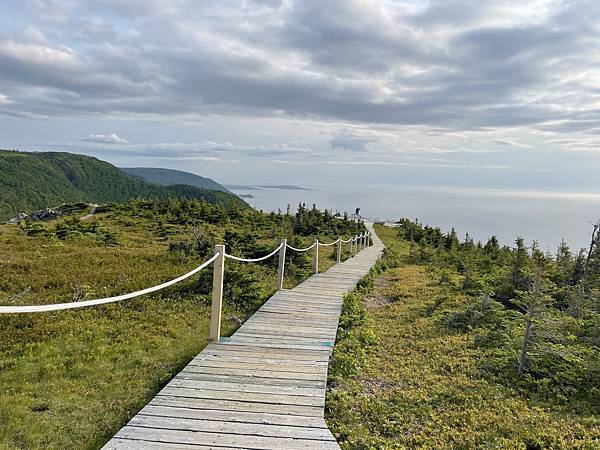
(452, 242)
(579, 266)
(492, 247)
(565, 264)
(519, 274)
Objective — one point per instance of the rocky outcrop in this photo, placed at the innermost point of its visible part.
(51, 213)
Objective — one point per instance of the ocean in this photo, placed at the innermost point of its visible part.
(547, 217)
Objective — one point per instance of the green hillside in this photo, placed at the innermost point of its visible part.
(168, 177)
(34, 180)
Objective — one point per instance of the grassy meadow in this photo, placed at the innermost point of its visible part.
(71, 379)
(402, 377)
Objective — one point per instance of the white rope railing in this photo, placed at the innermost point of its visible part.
(357, 243)
(102, 301)
(331, 243)
(251, 260)
(300, 249)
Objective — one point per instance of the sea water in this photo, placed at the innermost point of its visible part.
(546, 217)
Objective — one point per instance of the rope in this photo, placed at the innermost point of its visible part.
(346, 241)
(331, 243)
(262, 258)
(101, 301)
(300, 249)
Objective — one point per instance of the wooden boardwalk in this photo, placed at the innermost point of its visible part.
(262, 388)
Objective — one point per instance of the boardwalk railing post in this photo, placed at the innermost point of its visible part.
(316, 257)
(217, 294)
(281, 266)
(338, 257)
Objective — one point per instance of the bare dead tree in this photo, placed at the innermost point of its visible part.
(202, 240)
(593, 244)
(526, 343)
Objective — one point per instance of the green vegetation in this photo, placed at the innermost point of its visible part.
(167, 177)
(36, 180)
(451, 344)
(71, 379)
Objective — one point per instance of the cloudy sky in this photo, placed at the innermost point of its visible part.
(449, 93)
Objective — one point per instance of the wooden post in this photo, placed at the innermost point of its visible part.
(338, 257)
(360, 242)
(316, 257)
(281, 266)
(350, 248)
(217, 294)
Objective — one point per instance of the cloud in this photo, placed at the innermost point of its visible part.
(50, 10)
(510, 143)
(392, 164)
(268, 3)
(462, 65)
(111, 139)
(202, 151)
(415, 83)
(578, 144)
(349, 142)
(4, 100)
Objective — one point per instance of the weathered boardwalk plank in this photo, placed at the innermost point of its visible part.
(262, 388)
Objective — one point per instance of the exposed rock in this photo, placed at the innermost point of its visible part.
(235, 320)
(20, 216)
(46, 214)
(53, 213)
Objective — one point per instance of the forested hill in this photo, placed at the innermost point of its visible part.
(34, 180)
(169, 177)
